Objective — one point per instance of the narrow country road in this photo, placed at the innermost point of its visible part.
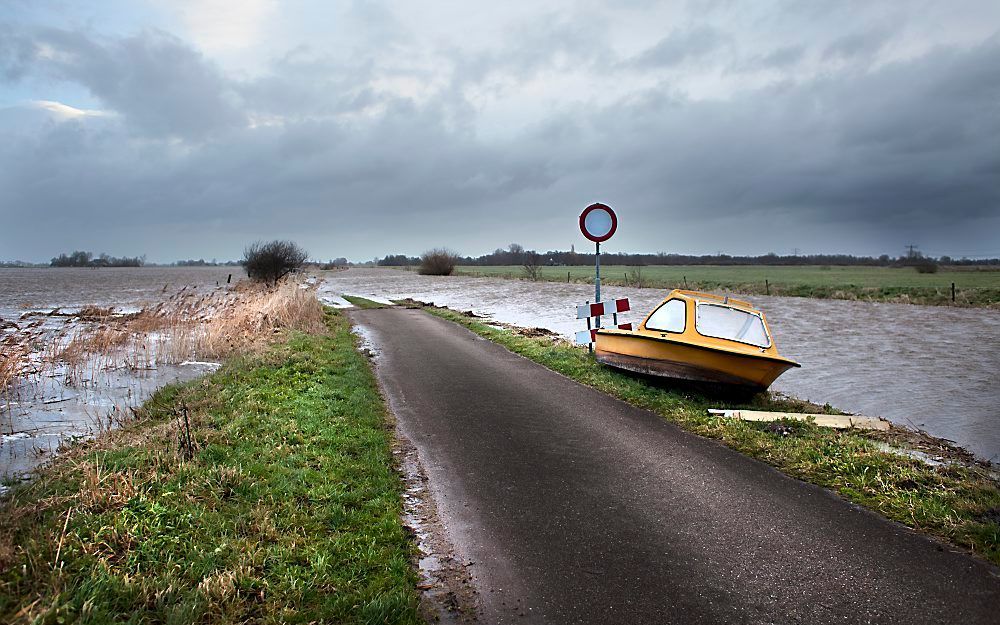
(577, 508)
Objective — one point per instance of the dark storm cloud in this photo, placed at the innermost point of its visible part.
(313, 145)
(911, 141)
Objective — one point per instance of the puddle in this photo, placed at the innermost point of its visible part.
(366, 343)
(335, 301)
(446, 589)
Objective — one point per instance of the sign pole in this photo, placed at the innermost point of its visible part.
(597, 278)
(598, 222)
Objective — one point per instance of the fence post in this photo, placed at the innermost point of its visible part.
(567, 277)
(953, 291)
(767, 286)
(685, 282)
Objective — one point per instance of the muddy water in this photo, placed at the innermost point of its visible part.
(935, 368)
(49, 409)
(44, 288)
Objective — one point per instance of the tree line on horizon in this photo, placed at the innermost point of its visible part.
(515, 254)
(87, 259)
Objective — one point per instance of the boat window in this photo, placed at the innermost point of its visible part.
(724, 322)
(671, 317)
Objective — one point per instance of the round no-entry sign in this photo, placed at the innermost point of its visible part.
(598, 222)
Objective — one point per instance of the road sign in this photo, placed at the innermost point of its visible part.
(598, 222)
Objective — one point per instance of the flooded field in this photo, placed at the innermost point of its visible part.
(22, 290)
(933, 368)
(60, 396)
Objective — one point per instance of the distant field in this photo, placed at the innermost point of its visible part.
(973, 288)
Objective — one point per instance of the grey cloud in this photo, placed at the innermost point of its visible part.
(779, 58)
(680, 46)
(15, 54)
(912, 143)
(859, 44)
(162, 86)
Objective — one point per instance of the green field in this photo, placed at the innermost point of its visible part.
(895, 284)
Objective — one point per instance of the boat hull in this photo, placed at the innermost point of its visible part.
(675, 359)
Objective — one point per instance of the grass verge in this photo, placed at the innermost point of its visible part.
(956, 501)
(278, 504)
(363, 303)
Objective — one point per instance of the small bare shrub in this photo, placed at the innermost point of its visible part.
(438, 262)
(634, 277)
(272, 261)
(927, 266)
(532, 266)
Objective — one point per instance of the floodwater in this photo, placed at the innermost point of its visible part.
(53, 406)
(22, 290)
(928, 367)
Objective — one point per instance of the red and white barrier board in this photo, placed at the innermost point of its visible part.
(602, 308)
(599, 309)
(589, 336)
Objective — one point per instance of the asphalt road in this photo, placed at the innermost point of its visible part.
(575, 507)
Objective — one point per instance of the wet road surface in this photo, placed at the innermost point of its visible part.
(574, 507)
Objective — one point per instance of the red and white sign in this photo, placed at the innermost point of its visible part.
(598, 222)
(598, 309)
(589, 336)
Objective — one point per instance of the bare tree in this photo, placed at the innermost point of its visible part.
(438, 262)
(272, 261)
(532, 263)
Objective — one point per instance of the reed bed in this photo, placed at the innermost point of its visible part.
(79, 351)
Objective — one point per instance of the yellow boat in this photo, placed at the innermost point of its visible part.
(698, 337)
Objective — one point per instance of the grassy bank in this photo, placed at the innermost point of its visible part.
(883, 284)
(278, 503)
(958, 502)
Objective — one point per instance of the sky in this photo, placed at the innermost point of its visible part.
(188, 129)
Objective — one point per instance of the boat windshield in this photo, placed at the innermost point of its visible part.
(725, 322)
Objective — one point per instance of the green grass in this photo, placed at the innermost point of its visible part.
(960, 504)
(905, 284)
(288, 511)
(361, 302)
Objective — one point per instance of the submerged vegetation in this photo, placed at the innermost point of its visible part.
(190, 324)
(264, 492)
(957, 500)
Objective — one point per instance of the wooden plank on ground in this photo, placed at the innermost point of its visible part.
(841, 422)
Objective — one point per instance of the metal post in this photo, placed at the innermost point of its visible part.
(597, 280)
(590, 344)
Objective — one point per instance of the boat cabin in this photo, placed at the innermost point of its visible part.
(710, 317)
